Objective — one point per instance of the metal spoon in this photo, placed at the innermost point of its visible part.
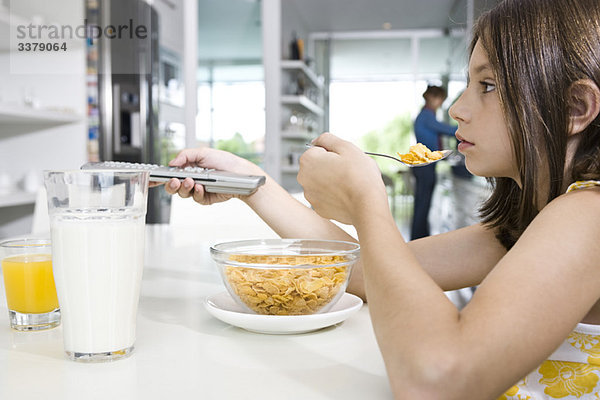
(445, 153)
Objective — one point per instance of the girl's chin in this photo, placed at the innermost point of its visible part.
(478, 170)
(483, 171)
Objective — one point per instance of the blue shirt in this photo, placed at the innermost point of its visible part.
(428, 129)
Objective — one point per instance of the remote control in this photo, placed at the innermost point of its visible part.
(213, 181)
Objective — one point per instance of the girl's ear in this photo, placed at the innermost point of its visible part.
(584, 104)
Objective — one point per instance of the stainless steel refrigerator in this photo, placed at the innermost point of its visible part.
(123, 50)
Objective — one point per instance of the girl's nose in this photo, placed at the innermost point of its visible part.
(458, 110)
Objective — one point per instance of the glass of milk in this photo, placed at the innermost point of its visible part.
(97, 220)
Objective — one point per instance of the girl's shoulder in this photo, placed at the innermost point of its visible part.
(565, 231)
(576, 210)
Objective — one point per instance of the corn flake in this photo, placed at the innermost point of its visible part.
(419, 153)
(287, 291)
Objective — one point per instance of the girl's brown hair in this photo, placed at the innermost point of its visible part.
(537, 49)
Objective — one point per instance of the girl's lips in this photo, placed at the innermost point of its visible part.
(463, 144)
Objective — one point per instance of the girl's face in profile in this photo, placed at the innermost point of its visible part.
(482, 130)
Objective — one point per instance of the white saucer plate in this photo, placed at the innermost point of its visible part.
(224, 308)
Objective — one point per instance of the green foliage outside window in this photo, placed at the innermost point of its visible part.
(237, 145)
(392, 138)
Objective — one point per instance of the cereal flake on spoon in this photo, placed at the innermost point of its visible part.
(419, 153)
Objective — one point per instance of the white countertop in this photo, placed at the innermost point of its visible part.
(183, 352)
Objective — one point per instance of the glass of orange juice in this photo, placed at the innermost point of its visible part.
(29, 284)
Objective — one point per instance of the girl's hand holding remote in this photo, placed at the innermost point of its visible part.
(206, 157)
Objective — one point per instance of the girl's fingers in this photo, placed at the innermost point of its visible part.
(199, 194)
(186, 188)
(172, 186)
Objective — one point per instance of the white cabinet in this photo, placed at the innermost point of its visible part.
(24, 121)
(42, 110)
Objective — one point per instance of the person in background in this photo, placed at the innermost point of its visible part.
(428, 131)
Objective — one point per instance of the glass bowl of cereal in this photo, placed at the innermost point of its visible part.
(285, 276)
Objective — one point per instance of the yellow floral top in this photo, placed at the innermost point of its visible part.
(573, 370)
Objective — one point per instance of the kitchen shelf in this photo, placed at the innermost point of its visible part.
(17, 199)
(301, 66)
(290, 169)
(300, 135)
(302, 92)
(302, 102)
(13, 114)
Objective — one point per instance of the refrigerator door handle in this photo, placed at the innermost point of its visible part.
(116, 119)
(145, 119)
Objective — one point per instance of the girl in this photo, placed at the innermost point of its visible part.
(529, 120)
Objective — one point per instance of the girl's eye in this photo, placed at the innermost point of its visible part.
(487, 86)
